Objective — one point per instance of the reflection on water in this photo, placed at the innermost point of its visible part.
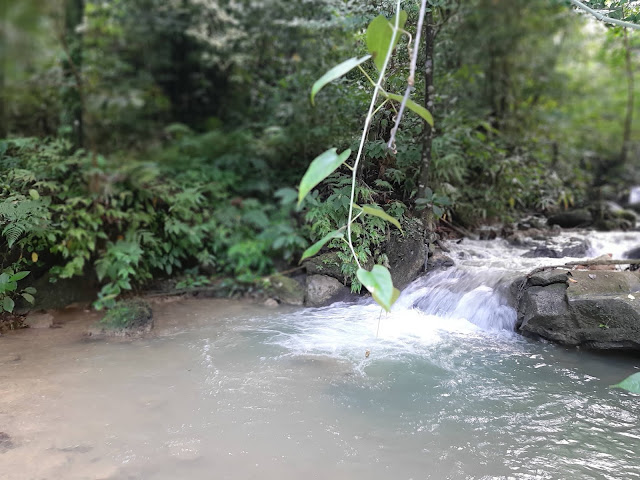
(230, 391)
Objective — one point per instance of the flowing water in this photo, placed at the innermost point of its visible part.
(238, 391)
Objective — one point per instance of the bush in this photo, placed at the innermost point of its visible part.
(195, 204)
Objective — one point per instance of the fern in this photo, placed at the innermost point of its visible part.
(13, 232)
(21, 216)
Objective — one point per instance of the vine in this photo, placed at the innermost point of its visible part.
(382, 36)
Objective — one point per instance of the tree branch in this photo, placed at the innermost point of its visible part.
(391, 144)
(604, 18)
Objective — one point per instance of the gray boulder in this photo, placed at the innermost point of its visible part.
(571, 219)
(594, 309)
(62, 292)
(322, 290)
(407, 253)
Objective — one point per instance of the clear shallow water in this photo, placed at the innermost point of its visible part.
(241, 391)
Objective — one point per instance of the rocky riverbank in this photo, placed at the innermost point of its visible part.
(598, 309)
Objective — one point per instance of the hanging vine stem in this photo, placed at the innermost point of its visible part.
(365, 130)
(391, 144)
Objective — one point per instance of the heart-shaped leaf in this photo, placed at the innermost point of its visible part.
(378, 212)
(315, 248)
(378, 37)
(335, 73)
(413, 106)
(630, 384)
(321, 167)
(378, 282)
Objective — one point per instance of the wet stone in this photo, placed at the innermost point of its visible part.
(5, 442)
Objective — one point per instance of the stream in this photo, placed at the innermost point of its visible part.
(230, 390)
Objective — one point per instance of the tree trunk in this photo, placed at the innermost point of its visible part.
(4, 128)
(427, 133)
(73, 99)
(628, 121)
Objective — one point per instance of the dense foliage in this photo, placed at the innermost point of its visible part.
(148, 138)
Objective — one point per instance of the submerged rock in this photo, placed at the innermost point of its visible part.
(599, 310)
(5, 442)
(38, 320)
(322, 290)
(129, 318)
(576, 248)
(439, 261)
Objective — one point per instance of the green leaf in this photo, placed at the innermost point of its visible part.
(321, 167)
(378, 37)
(30, 290)
(630, 384)
(438, 211)
(18, 276)
(378, 282)
(34, 194)
(315, 248)
(335, 73)
(29, 298)
(8, 304)
(4, 278)
(378, 212)
(413, 106)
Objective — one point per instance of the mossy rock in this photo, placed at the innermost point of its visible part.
(328, 264)
(285, 289)
(129, 318)
(629, 215)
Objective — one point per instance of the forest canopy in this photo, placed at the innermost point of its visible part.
(153, 137)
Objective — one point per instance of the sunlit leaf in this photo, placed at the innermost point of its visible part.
(378, 282)
(315, 248)
(378, 37)
(34, 194)
(335, 73)
(376, 211)
(630, 384)
(321, 167)
(414, 107)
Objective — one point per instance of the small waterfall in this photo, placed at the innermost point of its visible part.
(634, 195)
(481, 298)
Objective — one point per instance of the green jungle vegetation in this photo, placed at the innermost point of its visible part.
(150, 139)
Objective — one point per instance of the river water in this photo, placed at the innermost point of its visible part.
(227, 390)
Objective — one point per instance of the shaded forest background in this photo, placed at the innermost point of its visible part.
(148, 138)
